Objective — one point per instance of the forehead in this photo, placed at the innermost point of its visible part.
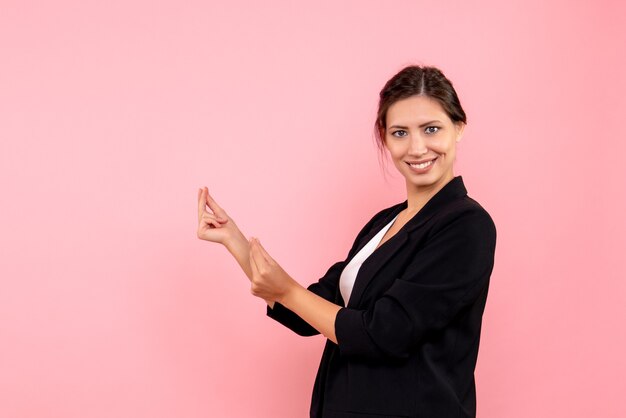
(415, 109)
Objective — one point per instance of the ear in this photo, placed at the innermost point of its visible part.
(460, 127)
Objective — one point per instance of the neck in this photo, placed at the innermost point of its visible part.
(418, 196)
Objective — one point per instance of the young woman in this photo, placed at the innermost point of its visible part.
(402, 313)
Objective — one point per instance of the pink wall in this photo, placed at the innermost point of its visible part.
(112, 114)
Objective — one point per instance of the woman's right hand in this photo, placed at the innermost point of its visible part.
(216, 225)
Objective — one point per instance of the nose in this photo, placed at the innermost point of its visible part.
(417, 145)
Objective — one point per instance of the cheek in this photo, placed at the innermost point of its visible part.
(396, 149)
(444, 145)
(397, 157)
(392, 151)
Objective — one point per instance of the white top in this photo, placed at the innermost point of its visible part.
(348, 275)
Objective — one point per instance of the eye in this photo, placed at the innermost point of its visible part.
(399, 133)
(432, 127)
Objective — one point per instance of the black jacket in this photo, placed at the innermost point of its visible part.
(408, 338)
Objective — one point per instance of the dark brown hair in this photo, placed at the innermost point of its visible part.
(417, 80)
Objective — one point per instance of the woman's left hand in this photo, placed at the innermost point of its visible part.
(269, 280)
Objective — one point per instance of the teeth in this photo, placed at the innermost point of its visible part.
(423, 165)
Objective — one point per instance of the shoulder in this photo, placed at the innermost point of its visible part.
(467, 217)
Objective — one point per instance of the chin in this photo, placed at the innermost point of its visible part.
(426, 179)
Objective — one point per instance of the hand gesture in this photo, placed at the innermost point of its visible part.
(216, 225)
(269, 280)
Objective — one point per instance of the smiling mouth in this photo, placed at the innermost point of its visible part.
(422, 165)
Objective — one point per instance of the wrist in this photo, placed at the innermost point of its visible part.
(235, 242)
(290, 294)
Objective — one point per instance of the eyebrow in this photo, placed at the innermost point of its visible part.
(421, 126)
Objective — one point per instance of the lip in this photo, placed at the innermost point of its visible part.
(421, 161)
(421, 170)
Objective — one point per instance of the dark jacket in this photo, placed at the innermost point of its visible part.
(408, 338)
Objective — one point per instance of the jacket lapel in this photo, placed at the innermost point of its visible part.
(453, 190)
(377, 226)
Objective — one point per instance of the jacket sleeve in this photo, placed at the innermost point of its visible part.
(447, 274)
(325, 287)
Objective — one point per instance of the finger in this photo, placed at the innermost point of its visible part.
(214, 206)
(208, 218)
(253, 265)
(256, 255)
(217, 223)
(264, 253)
(201, 203)
(213, 216)
(211, 223)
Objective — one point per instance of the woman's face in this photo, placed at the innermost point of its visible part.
(421, 140)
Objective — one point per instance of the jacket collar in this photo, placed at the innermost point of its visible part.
(452, 191)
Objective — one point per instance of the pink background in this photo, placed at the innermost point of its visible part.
(113, 113)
